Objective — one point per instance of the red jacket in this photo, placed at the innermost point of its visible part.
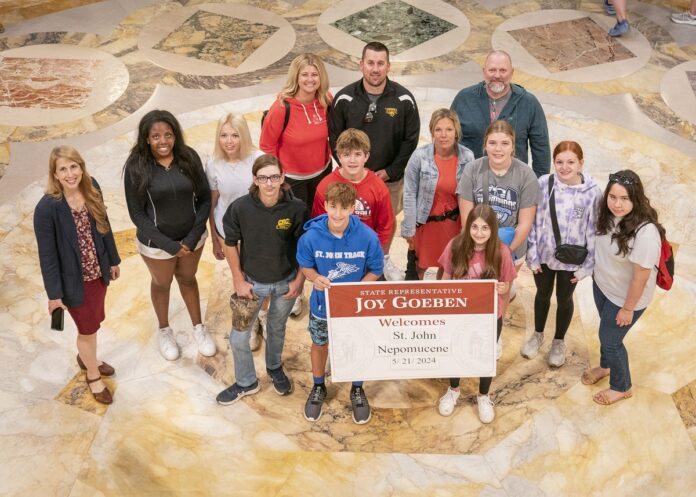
(372, 206)
(303, 147)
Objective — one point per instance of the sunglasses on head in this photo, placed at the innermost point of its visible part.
(622, 180)
(371, 111)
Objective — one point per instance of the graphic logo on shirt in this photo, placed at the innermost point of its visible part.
(391, 111)
(362, 208)
(578, 212)
(283, 223)
(342, 269)
(502, 200)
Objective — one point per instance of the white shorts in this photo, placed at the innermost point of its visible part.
(158, 253)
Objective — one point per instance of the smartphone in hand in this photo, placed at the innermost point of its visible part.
(57, 319)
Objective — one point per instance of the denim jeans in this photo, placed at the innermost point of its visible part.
(277, 316)
(613, 353)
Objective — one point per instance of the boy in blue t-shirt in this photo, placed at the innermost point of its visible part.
(336, 247)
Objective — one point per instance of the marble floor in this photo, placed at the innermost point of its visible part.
(84, 72)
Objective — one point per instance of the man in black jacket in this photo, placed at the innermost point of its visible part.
(387, 112)
(261, 233)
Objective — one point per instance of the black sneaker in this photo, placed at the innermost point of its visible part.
(281, 382)
(361, 407)
(232, 394)
(315, 401)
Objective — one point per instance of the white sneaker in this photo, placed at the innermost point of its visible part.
(485, 408)
(167, 345)
(256, 335)
(531, 347)
(499, 349)
(206, 345)
(557, 355)
(391, 272)
(448, 401)
(297, 307)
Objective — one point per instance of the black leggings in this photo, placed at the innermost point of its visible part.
(564, 299)
(304, 189)
(484, 383)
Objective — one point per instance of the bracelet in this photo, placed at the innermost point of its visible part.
(628, 310)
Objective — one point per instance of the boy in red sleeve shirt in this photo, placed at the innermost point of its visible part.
(372, 204)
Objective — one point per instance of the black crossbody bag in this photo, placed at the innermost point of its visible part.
(565, 253)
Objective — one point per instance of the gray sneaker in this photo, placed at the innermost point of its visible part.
(361, 407)
(557, 353)
(315, 402)
(531, 347)
(684, 18)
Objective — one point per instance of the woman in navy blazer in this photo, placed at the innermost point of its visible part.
(78, 255)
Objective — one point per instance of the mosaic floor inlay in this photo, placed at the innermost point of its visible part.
(691, 76)
(566, 45)
(397, 24)
(216, 38)
(46, 83)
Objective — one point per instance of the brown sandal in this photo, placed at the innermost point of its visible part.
(104, 368)
(589, 379)
(603, 399)
(103, 397)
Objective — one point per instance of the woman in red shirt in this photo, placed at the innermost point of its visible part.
(302, 144)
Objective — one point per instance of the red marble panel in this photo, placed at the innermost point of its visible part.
(562, 46)
(46, 83)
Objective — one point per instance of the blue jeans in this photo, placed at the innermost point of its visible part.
(613, 354)
(277, 316)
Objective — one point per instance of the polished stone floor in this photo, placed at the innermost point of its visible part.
(84, 72)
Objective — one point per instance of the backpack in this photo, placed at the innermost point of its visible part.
(665, 268)
(286, 104)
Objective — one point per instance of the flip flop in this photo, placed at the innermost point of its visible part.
(589, 379)
(602, 399)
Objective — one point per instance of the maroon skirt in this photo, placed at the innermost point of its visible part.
(90, 314)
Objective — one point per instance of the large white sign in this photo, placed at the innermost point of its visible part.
(412, 329)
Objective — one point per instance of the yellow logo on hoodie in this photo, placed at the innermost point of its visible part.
(391, 111)
(283, 224)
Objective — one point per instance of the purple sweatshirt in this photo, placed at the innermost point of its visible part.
(576, 209)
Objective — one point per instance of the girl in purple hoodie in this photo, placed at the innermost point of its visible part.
(576, 198)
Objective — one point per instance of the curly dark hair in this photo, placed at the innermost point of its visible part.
(140, 157)
(642, 213)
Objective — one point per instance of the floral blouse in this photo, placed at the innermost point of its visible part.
(88, 252)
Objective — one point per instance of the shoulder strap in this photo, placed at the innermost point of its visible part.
(552, 210)
(486, 184)
(286, 104)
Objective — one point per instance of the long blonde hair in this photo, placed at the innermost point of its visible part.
(292, 87)
(237, 122)
(93, 197)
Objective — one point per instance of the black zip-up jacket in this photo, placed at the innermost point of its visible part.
(394, 129)
(268, 235)
(169, 211)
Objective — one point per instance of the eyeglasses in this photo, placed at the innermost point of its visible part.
(622, 180)
(371, 112)
(264, 179)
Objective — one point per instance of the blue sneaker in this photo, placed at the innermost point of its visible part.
(620, 28)
(609, 8)
(281, 383)
(233, 393)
